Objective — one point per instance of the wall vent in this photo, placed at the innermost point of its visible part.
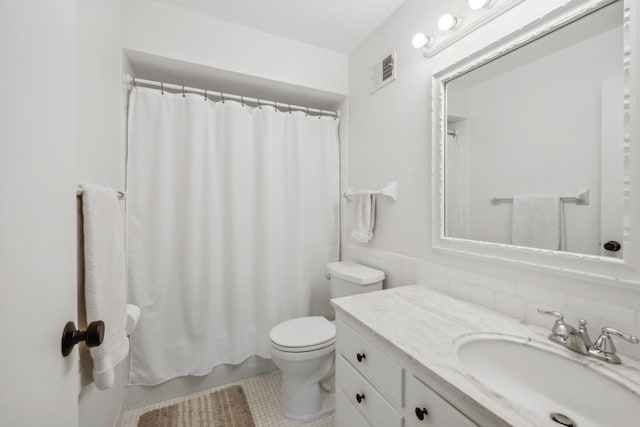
(383, 71)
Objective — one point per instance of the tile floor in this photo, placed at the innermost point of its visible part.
(264, 397)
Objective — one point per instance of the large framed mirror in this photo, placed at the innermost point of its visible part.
(534, 145)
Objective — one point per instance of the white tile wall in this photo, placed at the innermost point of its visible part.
(517, 294)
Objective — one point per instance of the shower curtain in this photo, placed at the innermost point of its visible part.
(232, 215)
(458, 192)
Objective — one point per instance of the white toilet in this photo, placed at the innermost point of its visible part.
(304, 348)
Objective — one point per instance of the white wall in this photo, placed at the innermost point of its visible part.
(99, 134)
(389, 139)
(168, 31)
(536, 130)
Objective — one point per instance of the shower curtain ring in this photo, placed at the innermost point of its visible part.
(184, 92)
(205, 95)
(307, 113)
(242, 100)
(289, 108)
(222, 96)
(162, 88)
(320, 115)
(259, 104)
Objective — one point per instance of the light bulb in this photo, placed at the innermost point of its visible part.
(478, 4)
(420, 40)
(447, 22)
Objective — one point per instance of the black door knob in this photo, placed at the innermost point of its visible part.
(612, 246)
(92, 336)
(359, 397)
(361, 356)
(421, 412)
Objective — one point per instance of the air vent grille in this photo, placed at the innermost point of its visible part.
(383, 71)
(387, 67)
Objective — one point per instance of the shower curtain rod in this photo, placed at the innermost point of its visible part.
(134, 81)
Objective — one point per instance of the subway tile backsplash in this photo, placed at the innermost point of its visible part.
(518, 299)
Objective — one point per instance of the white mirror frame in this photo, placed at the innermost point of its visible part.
(622, 273)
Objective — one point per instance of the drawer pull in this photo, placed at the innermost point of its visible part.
(359, 397)
(361, 356)
(421, 412)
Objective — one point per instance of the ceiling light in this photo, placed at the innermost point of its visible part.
(420, 40)
(447, 22)
(479, 4)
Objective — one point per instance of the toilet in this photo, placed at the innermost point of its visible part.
(304, 348)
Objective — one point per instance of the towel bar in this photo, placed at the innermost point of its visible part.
(390, 190)
(580, 198)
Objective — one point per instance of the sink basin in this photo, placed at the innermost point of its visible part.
(540, 378)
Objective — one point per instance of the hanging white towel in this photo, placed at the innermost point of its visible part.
(363, 209)
(105, 289)
(536, 221)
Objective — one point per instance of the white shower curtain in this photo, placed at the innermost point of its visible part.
(232, 216)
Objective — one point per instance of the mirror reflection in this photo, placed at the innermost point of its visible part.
(533, 153)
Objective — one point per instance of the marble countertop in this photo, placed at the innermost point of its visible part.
(425, 324)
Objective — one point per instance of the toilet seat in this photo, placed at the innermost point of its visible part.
(303, 334)
(303, 349)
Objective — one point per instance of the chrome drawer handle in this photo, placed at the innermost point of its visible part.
(361, 356)
(359, 397)
(421, 412)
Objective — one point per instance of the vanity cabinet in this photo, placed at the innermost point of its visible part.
(376, 387)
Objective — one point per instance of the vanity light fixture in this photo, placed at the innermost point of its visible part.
(420, 40)
(479, 4)
(479, 13)
(448, 22)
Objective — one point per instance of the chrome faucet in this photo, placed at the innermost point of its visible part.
(578, 340)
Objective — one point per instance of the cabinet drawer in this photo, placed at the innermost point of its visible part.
(371, 362)
(346, 414)
(373, 407)
(439, 412)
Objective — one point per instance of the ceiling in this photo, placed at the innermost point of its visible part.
(336, 25)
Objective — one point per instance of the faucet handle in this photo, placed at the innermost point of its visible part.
(605, 349)
(560, 330)
(558, 315)
(605, 344)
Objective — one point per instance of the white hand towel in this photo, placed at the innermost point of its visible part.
(105, 289)
(363, 212)
(536, 221)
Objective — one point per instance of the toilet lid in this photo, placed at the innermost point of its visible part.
(303, 332)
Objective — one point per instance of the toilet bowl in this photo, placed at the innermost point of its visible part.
(304, 350)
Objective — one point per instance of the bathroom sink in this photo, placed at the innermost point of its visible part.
(540, 378)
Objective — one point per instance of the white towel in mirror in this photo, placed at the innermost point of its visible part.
(536, 221)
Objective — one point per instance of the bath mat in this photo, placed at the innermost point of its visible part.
(224, 408)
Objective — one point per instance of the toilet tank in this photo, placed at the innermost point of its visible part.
(348, 278)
